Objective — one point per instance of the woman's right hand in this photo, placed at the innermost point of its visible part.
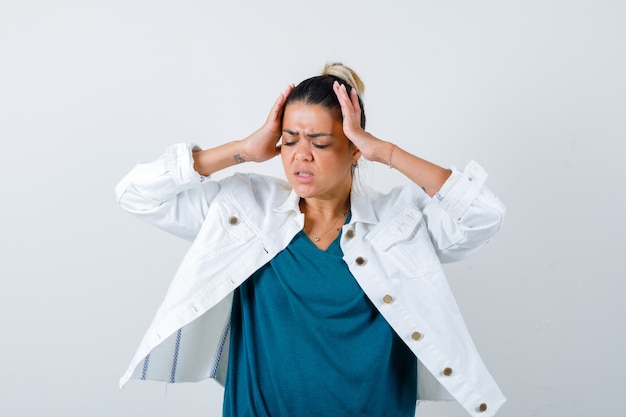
(258, 147)
(262, 145)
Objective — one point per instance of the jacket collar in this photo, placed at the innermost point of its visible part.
(360, 206)
(292, 203)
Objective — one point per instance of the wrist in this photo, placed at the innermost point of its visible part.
(385, 152)
(243, 151)
(390, 157)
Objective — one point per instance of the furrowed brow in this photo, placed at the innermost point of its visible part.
(308, 135)
(318, 135)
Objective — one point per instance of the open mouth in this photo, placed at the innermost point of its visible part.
(303, 176)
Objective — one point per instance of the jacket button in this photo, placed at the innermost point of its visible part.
(233, 220)
(387, 299)
(481, 408)
(416, 336)
(350, 234)
(447, 371)
(360, 261)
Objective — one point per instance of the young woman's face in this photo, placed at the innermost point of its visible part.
(316, 154)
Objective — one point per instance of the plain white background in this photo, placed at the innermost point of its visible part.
(533, 90)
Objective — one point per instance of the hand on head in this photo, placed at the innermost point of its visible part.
(351, 111)
(262, 145)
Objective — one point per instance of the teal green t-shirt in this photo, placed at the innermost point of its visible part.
(306, 341)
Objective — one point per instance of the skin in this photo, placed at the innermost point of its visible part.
(317, 152)
(317, 158)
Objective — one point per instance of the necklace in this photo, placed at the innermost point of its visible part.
(317, 238)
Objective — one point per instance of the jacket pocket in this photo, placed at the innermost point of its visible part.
(404, 243)
(401, 229)
(225, 228)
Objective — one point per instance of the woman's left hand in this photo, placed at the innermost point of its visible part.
(372, 148)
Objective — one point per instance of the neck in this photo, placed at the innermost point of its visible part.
(323, 219)
(324, 208)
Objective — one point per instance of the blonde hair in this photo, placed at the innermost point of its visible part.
(345, 73)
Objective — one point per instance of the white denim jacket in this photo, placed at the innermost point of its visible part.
(394, 245)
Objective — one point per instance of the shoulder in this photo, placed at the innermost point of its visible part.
(255, 181)
(396, 198)
(251, 178)
(255, 186)
(377, 208)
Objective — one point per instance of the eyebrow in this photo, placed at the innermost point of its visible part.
(310, 135)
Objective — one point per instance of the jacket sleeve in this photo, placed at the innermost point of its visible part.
(463, 215)
(168, 193)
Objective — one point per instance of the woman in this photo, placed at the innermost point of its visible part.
(312, 297)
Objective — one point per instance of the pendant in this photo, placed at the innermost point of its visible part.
(316, 238)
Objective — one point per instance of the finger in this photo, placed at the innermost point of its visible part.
(288, 90)
(354, 98)
(347, 109)
(277, 108)
(350, 105)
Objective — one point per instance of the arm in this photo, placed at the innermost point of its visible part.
(258, 147)
(172, 192)
(462, 214)
(168, 193)
(427, 175)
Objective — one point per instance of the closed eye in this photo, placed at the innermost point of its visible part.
(315, 145)
(290, 138)
(289, 133)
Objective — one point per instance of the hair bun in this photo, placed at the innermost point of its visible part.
(345, 73)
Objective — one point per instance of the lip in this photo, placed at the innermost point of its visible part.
(303, 176)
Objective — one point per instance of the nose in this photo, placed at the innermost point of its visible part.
(303, 151)
(300, 156)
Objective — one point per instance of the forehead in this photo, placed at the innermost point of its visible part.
(308, 114)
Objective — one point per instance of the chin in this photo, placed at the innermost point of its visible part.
(303, 191)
